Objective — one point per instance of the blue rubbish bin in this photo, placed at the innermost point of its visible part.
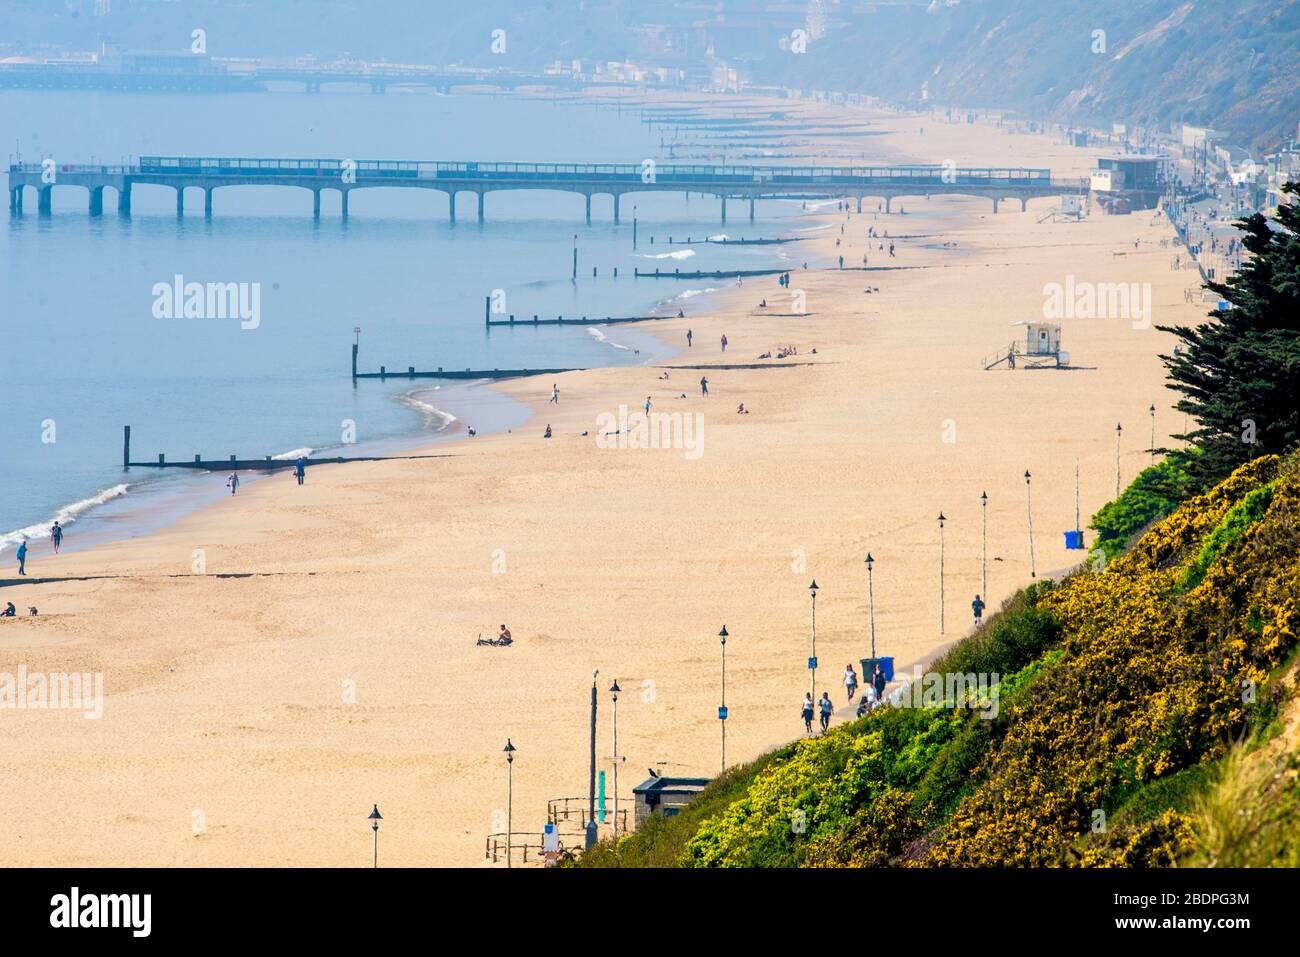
(1074, 539)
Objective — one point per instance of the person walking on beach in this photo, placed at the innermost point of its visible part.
(22, 557)
(808, 711)
(56, 536)
(689, 336)
(977, 606)
(300, 470)
(724, 342)
(827, 709)
(878, 682)
(850, 681)
(647, 405)
(704, 386)
(233, 482)
(555, 395)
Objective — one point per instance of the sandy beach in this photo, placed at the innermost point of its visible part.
(324, 659)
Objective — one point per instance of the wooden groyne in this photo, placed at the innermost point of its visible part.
(236, 464)
(561, 321)
(688, 241)
(441, 373)
(719, 274)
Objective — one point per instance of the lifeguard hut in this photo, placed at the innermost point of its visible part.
(1040, 349)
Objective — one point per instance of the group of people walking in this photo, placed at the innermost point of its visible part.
(823, 708)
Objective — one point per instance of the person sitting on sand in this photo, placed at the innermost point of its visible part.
(470, 430)
(9, 612)
(503, 636)
(763, 304)
(741, 410)
(547, 433)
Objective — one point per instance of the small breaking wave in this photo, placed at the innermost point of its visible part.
(676, 254)
(64, 516)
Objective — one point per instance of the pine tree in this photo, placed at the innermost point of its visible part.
(1239, 373)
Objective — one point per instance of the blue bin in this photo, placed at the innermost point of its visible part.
(1074, 539)
(869, 667)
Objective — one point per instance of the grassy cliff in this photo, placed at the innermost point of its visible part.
(1143, 716)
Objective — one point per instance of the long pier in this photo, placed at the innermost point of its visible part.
(746, 183)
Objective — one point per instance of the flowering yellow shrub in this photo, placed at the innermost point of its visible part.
(1152, 680)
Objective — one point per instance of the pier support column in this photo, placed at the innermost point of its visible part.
(180, 200)
(751, 209)
(995, 205)
(344, 194)
(124, 200)
(43, 200)
(97, 201)
(315, 204)
(724, 209)
(616, 199)
(480, 207)
(859, 204)
(207, 202)
(13, 200)
(451, 205)
(588, 197)
(1024, 204)
(888, 201)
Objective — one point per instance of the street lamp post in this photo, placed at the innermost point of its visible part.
(634, 226)
(1029, 511)
(941, 521)
(722, 708)
(871, 605)
(374, 819)
(812, 660)
(614, 689)
(1119, 431)
(1152, 410)
(984, 548)
(590, 837)
(509, 750)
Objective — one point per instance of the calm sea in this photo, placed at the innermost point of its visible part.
(82, 353)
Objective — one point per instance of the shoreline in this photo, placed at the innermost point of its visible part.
(376, 578)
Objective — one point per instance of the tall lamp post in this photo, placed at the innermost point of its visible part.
(1152, 410)
(984, 548)
(722, 708)
(812, 660)
(871, 606)
(590, 837)
(1119, 431)
(374, 819)
(614, 689)
(1029, 511)
(941, 521)
(634, 225)
(509, 750)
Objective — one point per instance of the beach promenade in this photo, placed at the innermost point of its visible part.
(256, 720)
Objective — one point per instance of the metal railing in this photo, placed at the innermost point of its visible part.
(494, 847)
(848, 176)
(567, 809)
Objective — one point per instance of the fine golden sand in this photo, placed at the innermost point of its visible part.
(255, 720)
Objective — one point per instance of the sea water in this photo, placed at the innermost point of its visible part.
(86, 347)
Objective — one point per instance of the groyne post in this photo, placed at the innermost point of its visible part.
(126, 446)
